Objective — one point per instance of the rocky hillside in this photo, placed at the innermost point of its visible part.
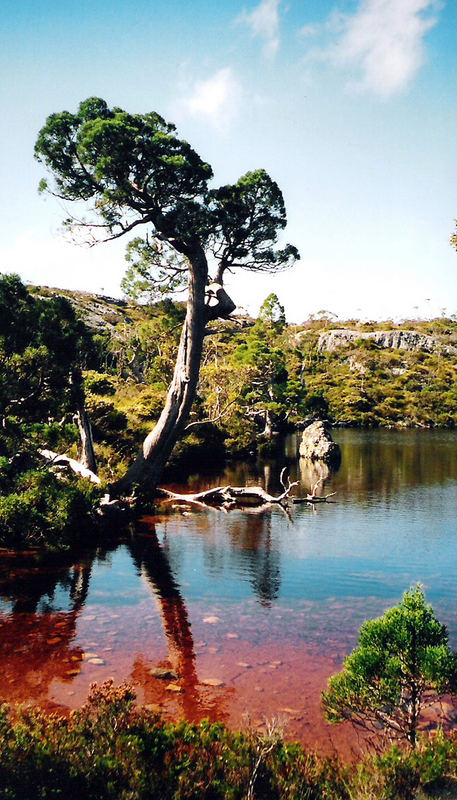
(411, 341)
(382, 374)
(355, 373)
(101, 313)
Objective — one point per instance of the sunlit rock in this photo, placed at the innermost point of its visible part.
(164, 674)
(317, 444)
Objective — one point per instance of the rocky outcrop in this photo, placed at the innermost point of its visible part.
(393, 340)
(317, 444)
(99, 312)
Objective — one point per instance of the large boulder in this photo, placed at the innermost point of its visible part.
(317, 444)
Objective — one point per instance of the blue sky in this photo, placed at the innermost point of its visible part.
(350, 106)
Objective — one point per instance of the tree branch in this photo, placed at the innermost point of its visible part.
(231, 495)
(214, 419)
(64, 461)
(224, 306)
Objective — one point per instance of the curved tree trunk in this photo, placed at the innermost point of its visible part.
(146, 470)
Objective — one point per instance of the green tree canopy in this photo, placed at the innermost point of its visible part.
(272, 313)
(42, 348)
(42, 345)
(402, 664)
(272, 391)
(132, 169)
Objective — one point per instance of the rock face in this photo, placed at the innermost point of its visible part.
(394, 340)
(318, 445)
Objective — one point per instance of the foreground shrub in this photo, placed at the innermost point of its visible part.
(402, 664)
(40, 509)
(110, 750)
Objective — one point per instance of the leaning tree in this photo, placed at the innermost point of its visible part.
(131, 171)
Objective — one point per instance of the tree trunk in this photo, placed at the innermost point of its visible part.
(268, 430)
(86, 455)
(158, 445)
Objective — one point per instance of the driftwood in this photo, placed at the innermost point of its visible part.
(226, 497)
(71, 463)
(313, 497)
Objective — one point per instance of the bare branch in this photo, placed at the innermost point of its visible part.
(213, 419)
(230, 496)
(64, 461)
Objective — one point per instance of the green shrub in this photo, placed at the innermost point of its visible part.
(111, 750)
(108, 750)
(99, 383)
(44, 510)
(107, 420)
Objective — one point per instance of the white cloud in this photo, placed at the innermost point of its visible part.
(381, 44)
(264, 22)
(217, 99)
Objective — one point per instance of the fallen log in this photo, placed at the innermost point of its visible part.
(231, 496)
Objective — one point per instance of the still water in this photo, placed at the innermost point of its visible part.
(252, 612)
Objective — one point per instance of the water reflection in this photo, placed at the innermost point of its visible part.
(387, 462)
(313, 475)
(43, 602)
(33, 583)
(284, 600)
(36, 636)
(151, 561)
(254, 549)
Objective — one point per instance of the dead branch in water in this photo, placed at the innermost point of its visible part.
(226, 497)
(313, 497)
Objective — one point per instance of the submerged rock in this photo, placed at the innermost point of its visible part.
(212, 682)
(164, 674)
(175, 687)
(317, 444)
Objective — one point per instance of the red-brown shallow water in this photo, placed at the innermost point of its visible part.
(227, 670)
(251, 613)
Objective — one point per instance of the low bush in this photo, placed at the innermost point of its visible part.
(40, 509)
(111, 750)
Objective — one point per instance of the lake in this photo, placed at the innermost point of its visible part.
(253, 612)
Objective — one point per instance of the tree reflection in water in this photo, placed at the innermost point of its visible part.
(46, 596)
(253, 547)
(36, 636)
(196, 701)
